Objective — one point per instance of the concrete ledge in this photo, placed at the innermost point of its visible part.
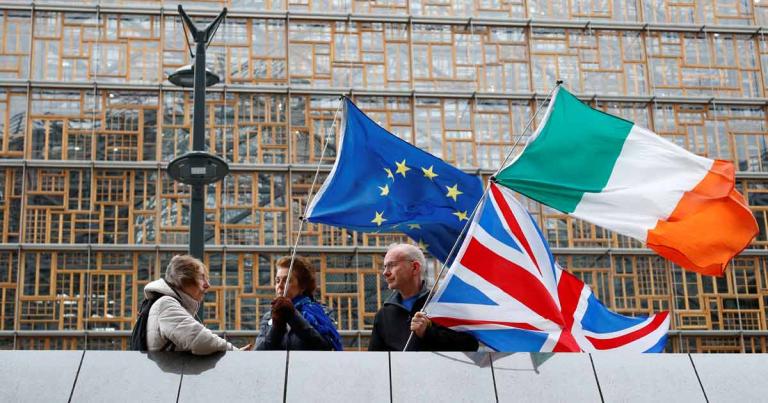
(301, 376)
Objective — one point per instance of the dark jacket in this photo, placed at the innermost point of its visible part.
(299, 335)
(392, 326)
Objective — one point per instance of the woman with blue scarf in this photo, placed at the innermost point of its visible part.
(297, 321)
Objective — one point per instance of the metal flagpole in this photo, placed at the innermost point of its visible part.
(675, 313)
(471, 216)
(309, 195)
(738, 304)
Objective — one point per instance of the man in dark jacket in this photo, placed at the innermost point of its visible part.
(402, 314)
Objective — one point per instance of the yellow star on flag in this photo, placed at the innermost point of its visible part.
(453, 191)
(428, 172)
(423, 245)
(414, 226)
(384, 190)
(462, 215)
(379, 218)
(389, 174)
(401, 168)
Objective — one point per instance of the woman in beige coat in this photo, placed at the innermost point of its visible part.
(171, 325)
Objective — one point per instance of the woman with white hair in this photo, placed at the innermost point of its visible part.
(171, 324)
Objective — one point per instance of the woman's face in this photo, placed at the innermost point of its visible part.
(198, 289)
(280, 284)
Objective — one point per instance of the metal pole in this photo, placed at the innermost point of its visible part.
(201, 168)
(197, 208)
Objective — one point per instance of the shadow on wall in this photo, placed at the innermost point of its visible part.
(483, 359)
(184, 363)
(190, 364)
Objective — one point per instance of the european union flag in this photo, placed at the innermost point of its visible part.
(381, 183)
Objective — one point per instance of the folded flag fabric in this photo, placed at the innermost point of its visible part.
(381, 183)
(610, 172)
(505, 288)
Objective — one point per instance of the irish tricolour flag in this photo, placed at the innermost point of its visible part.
(610, 172)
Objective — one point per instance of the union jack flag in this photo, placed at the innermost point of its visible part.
(505, 288)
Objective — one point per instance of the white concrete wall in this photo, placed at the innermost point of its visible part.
(120, 376)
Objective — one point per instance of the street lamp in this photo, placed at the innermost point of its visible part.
(197, 168)
(184, 76)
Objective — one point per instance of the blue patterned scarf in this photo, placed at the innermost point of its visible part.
(316, 316)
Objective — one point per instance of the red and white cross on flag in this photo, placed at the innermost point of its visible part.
(505, 288)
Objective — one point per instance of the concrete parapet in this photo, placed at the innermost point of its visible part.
(306, 376)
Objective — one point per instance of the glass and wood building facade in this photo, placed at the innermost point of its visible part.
(88, 122)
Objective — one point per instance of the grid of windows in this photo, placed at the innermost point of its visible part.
(88, 215)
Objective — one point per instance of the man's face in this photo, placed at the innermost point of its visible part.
(398, 269)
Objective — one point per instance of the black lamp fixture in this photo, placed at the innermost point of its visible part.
(184, 77)
(197, 168)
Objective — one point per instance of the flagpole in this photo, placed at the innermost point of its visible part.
(442, 267)
(309, 196)
(558, 83)
(738, 306)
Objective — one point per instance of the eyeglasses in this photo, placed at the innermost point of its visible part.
(391, 265)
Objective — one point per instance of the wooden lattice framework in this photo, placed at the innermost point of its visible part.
(88, 215)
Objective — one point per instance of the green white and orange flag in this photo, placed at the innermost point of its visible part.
(612, 173)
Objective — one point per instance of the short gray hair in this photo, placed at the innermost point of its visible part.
(412, 252)
(184, 270)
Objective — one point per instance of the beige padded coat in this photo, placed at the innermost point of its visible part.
(170, 320)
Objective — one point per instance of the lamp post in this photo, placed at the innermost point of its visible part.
(197, 168)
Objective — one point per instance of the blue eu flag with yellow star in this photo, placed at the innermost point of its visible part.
(382, 183)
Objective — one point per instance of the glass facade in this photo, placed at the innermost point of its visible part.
(88, 122)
